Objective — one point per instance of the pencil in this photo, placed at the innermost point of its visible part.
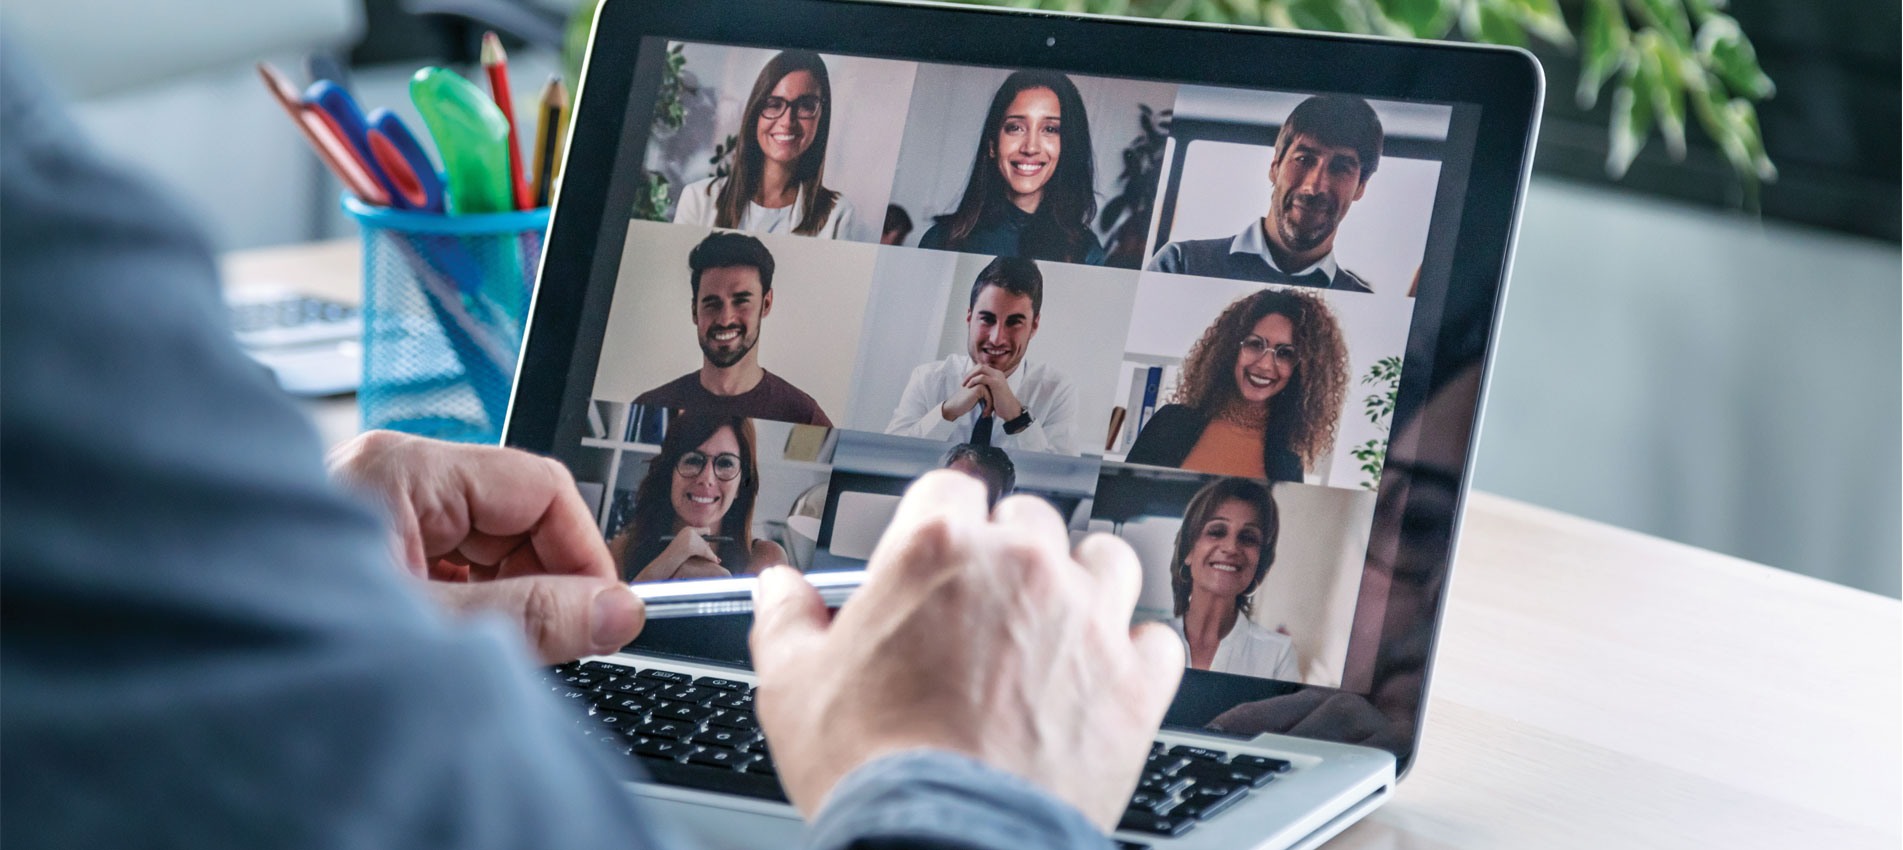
(496, 64)
(549, 130)
(325, 139)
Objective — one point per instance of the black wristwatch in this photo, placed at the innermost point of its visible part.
(1022, 422)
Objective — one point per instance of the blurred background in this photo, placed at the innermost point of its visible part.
(1685, 353)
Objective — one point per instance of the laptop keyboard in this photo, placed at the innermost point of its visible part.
(700, 732)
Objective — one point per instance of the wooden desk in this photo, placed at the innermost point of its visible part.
(1595, 688)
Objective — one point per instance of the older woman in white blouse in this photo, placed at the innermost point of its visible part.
(1223, 552)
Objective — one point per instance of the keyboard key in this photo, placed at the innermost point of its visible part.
(573, 693)
(718, 757)
(694, 694)
(743, 702)
(1203, 753)
(666, 676)
(1165, 763)
(1228, 774)
(750, 783)
(661, 748)
(636, 705)
(1131, 845)
(684, 712)
(1207, 800)
(762, 765)
(629, 687)
(1157, 748)
(734, 720)
(1163, 783)
(615, 721)
(1136, 820)
(722, 684)
(715, 736)
(1273, 765)
(1152, 802)
(597, 668)
(669, 729)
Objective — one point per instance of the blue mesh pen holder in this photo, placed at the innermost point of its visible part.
(444, 299)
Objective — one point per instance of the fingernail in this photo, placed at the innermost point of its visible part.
(765, 588)
(612, 620)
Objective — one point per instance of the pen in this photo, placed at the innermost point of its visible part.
(711, 538)
(403, 160)
(496, 64)
(325, 139)
(550, 128)
(472, 137)
(347, 119)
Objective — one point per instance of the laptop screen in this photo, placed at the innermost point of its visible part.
(1181, 313)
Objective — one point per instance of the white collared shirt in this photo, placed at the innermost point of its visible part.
(1251, 241)
(1250, 650)
(1049, 397)
(697, 207)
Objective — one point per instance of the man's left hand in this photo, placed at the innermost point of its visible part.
(497, 530)
(1004, 403)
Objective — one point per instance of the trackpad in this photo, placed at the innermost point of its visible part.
(723, 822)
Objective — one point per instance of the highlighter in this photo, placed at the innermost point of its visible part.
(472, 137)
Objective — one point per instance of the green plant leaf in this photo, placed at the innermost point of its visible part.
(1631, 118)
(1604, 39)
(1541, 18)
(1323, 15)
(1702, 9)
(1723, 48)
(1744, 117)
(1665, 87)
(1422, 18)
(1488, 21)
(1668, 16)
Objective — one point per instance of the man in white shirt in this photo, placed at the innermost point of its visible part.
(990, 395)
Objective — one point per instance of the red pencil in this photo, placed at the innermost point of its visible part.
(496, 63)
(325, 139)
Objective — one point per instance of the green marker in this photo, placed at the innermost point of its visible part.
(472, 137)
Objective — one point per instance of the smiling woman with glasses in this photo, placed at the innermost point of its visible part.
(1260, 393)
(693, 511)
(775, 184)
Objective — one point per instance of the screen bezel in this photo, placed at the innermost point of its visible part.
(576, 278)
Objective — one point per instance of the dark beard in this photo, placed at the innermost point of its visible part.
(724, 359)
(1299, 241)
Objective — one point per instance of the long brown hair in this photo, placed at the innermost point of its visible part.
(1304, 414)
(654, 509)
(749, 161)
(1060, 229)
(1201, 506)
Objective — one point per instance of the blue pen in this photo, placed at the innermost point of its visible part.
(333, 100)
(412, 176)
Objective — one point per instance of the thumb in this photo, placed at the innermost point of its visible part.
(1160, 663)
(562, 617)
(787, 613)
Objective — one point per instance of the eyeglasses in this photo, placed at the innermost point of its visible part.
(806, 106)
(1254, 347)
(726, 465)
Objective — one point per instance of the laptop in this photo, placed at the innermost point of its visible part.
(1229, 294)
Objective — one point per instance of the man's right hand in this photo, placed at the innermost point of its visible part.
(961, 402)
(974, 634)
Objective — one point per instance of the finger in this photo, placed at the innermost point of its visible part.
(1160, 662)
(562, 617)
(1035, 518)
(504, 493)
(788, 617)
(938, 511)
(1114, 566)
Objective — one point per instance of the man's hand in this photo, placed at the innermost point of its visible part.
(961, 402)
(978, 635)
(497, 530)
(997, 391)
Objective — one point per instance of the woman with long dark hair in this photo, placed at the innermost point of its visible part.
(776, 184)
(1223, 552)
(693, 511)
(1260, 392)
(1032, 190)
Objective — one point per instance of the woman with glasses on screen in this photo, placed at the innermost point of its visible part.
(1032, 190)
(693, 511)
(1223, 552)
(1260, 392)
(776, 183)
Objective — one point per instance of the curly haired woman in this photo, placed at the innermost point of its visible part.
(1260, 392)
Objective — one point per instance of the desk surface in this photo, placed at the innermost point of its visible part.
(1594, 688)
